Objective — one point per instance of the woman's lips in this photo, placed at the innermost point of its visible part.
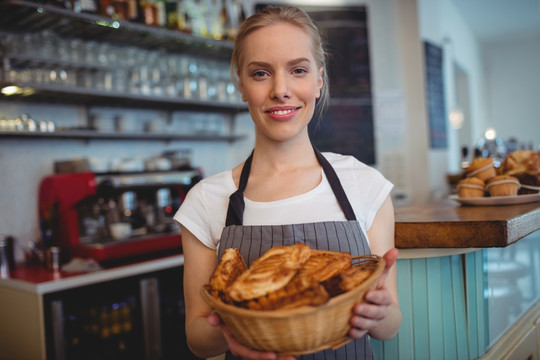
(282, 113)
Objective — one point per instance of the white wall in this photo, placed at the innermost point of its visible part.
(513, 88)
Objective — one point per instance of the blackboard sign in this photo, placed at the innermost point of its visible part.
(435, 95)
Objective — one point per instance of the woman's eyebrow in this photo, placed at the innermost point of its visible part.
(290, 62)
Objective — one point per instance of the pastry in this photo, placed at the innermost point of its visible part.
(346, 280)
(471, 187)
(481, 168)
(228, 270)
(322, 265)
(503, 185)
(270, 272)
(520, 162)
(530, 183)
(302, 290)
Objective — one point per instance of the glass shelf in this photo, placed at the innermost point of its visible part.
(59, 94)
(28, 16)
(94, 135)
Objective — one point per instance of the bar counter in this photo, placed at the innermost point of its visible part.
(447, 224)
(468, 282)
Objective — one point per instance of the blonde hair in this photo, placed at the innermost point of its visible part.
(288, 14)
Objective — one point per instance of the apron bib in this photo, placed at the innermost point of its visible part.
(344, 236)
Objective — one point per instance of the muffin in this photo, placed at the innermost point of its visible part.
(503, 185)
(481, 168)
(530, 183)
(471, 187)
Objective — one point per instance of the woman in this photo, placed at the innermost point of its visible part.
(279, 64)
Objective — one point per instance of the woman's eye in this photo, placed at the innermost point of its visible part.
(299, 71)
(259, 74)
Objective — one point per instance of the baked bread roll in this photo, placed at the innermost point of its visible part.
(347, 280)
(228, 270)
(322, 264)
(503, 185)
(520, 162)
(481, 168)
(270, 272)
(302, 290)
(471, 187)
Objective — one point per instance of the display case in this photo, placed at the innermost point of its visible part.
(128, 312)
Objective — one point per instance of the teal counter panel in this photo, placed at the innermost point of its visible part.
(441, 299)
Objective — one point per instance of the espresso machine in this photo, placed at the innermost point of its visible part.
(113, 216)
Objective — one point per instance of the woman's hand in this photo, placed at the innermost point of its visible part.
(238, 349)
(376, 306)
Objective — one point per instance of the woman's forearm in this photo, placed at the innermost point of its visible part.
(204, 340)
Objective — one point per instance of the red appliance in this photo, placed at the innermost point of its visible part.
(76, 211)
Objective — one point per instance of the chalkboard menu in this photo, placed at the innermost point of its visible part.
(435, 95)
(347, 126)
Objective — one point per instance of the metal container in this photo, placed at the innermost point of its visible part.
(53, 259)
(4, 266)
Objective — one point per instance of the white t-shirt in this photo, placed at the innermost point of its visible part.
(204, 209)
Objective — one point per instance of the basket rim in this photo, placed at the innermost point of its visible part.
(303, 310)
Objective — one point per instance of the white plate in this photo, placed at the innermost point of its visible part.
(497, 200)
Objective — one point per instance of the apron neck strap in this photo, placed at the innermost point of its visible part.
(235, 211)
(336, 186)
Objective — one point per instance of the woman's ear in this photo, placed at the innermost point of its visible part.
(241, 89)
(319, 82)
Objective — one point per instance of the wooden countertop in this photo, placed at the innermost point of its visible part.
(447, 224)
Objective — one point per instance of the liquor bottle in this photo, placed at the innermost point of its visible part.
(148, 12)
(85, 6)
(133, 11)
(161, 12)
(172, 14)
(106, 8)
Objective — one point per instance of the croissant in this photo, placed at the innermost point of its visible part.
(270, 272)
(228, 270)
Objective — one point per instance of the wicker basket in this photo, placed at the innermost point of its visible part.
(303, 330)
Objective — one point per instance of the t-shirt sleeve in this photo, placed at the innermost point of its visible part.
(372, 190)
(192, 214)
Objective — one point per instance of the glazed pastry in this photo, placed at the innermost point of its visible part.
(471, 187)
(302, 290)
(481, 168)
(270, 272)
(228, 270)
(322, 264)
(521, 162)
(503, 185)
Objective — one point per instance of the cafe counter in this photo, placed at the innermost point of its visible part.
(468, 282)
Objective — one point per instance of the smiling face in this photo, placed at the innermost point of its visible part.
(280, 80)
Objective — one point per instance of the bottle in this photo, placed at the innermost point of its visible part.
(148, 13)
(4, 267)
(132, 11)
(161, 10)
(85, 6)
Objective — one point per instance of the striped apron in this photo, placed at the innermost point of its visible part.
(344, 236)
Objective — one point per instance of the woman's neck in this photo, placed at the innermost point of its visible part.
(283, 157)
(280, 172)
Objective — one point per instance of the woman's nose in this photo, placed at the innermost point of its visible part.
(280, 88)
